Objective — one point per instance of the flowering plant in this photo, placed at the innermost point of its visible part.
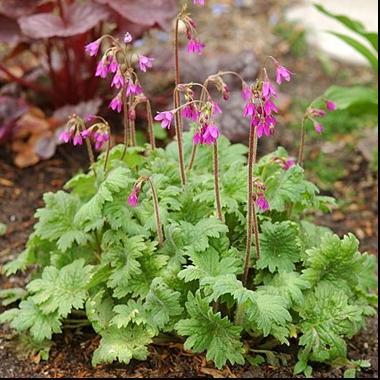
(196, 241)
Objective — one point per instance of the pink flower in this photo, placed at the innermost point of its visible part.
(270, 107)
(133, 89)
(86, 133)
(197, 138)
(65, 136)
(133, 199)
(246, 93)
(210, 135)
(145, 62)
(199, 2)
(289, 163)
(113, 66)
(77, 140)
(90, 118)
(262, 203)
(118, 80)
(190, 112)
(263, 128)
(268, 90)
(92, 48)
(116, 104)
(249, 110)
(226, 92)
(330, 105)
(282, 73)
(127, 38)
(100, 139)
(195, 46)
(318, 127)
(102, 69)
(215, 108)
(316, 112)
(165, 118)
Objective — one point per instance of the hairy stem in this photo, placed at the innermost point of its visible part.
(178, 119)
(216, 183)
(126, 125)
(149, 116)
(256, 230)
(251, 162)
(302, 142)
(192, 157)
(90, 152)
(107, 154)
(157, 214)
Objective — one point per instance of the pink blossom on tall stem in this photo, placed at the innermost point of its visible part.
(268, 90)
(65, 136)
(210, 134)
(263, 128)
(262, 203)
(195, 46)
(215, 108)
(133, 89)
(145, 62)
(92, 48)
(270, 107)
(86, 133)
(118, 80)
(165, 118)
(113, 66)
(330, 105)
(133, 199)
(100, 139)
(102, 69)
(282, 73)
(246, 93)
(190, 112)
(199, 2)
(317, 112)
(77, 139)
(249, 110)
(318, 127)
(197, 138)
(116, 104)
(289, 163)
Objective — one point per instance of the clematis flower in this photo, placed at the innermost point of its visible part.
(330, 105)
(210, 135)
(92, 48)
(165, 118)
(145, 62)
(262, 203)
(319, 128)
(282, 73)
(195, 46)
(116, 104)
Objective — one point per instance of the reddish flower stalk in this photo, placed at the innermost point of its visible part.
(178, 118)
(251, 214)
(216, 183)
(126, 125)
(149, 116)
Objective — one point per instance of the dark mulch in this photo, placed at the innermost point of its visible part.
(21, 193)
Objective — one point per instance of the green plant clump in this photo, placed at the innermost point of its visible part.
(95, 254)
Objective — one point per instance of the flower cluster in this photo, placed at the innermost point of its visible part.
(116, 60)
(314, 113)
(259, 98)
(194, 45)
(77, 131)
(259, 195)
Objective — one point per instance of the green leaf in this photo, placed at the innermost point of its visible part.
(280, 246)
(9, 296)
(207, 330)
(56, 220)
(353, 25)
(163, 304)
(99, 311)
(335, 260)
(29, 316)
(61, 290)
(327, 318)
(122, 345)
(132, 313)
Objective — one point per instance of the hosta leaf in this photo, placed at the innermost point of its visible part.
(207, 330)
(280, 246)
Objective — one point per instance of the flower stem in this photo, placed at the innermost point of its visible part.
(178, 119)
(90, 152)
(302, 142)
(107, 153)
(126, 125)
(256, 230)
(251, 161)
(216, 184)
(157, 213)
(192, 157)
(149, 114)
